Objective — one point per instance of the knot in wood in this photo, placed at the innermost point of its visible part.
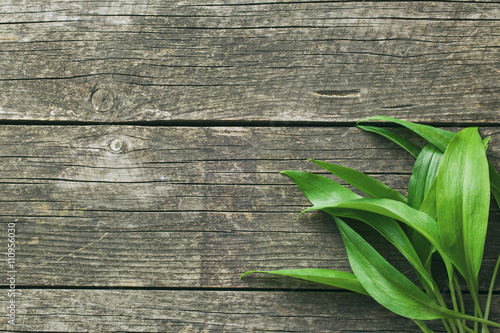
(117, 146)
(102, 100)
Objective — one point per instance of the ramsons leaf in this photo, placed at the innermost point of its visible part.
(424, 174)
(415, 219)
(463, 193)
(385, 283)
(422, 246)
(425, 170)
(338, 279)
(410, 147)
(486, 142)
(362, 182)
(320, 190)
(428, 206)
(438, 137)
(495, 183)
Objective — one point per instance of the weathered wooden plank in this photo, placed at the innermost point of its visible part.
(203, 311)
(180, 206)
(250, 60)
(56, 252)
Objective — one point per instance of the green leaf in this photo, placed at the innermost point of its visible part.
(423, 176)
(388, 286)
(419, 221)
(463, 193)
(438, 137)
(424, 172)
(329, 277)
(415, 219)
(410, 147)
(393, 232)
(495, 183)
(486, 142)
(423, 247)
(320, 190)
(383, 282)
(362, 182)
(428, 206)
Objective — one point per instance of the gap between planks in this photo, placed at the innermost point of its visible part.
(235, 123)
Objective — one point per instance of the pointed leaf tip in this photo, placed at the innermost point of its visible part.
(362, 181)
(438, 137)
(403, 143)
(334, 278)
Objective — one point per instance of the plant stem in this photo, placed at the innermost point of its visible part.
(446, 326)
(468, 329)
(473, 288)
(452, 277)
(422, 326)
(490, 292)
(459, 315)
(439, 298)
(459, 293)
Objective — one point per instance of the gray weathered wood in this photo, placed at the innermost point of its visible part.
(204, 311)
(180, 207)
(171, 216)
(260, 60)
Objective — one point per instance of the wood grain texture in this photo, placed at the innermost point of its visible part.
(168, 217)
(182, 206)
(205, 311)
(326, 61)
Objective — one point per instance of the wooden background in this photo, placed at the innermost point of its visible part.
(141, 144)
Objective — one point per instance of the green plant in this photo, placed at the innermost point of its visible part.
(444, 216)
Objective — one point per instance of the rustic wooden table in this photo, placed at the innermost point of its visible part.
(141, 144)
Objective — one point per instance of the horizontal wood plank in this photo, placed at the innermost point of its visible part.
(326, 61)
(181, 207)
(204, 311)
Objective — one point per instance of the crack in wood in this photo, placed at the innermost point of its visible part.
(338, 93)
(83, 247)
